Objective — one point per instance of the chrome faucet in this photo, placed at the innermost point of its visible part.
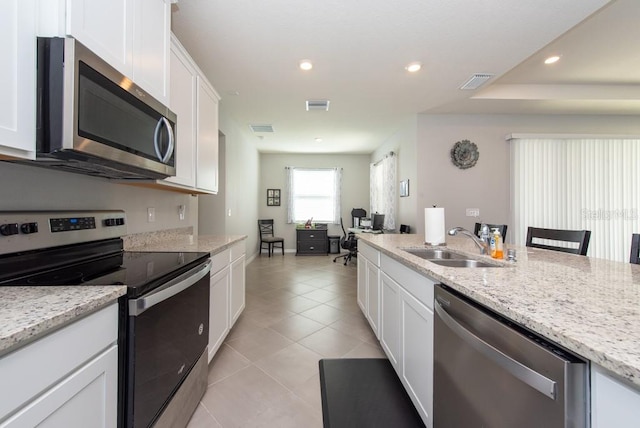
(482, 245)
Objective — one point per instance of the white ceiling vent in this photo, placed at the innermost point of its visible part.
(261, 128)
(476, 81)
(318, 105)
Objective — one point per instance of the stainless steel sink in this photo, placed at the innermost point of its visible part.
(433, 253)
(468, 263)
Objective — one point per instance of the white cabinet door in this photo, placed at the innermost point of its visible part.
(237, 301)
(106, 28)
(18, 79)
(362, 283)
(87, 397)
(614, 403)
(373, 296)
(416, 365)
(218, 310)
(151, 30)
(390, 319)
(207, 158)
(183, 104)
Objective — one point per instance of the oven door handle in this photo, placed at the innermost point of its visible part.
(170, 289)
(532, 378)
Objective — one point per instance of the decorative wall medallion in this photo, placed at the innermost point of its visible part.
(464, 154)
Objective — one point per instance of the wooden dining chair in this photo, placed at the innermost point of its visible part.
(635, 249)
(581, 237)
(501, 227)
(266, 237)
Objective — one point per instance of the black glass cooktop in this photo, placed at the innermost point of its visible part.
(96, 264)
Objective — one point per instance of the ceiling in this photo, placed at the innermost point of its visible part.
(250, 51)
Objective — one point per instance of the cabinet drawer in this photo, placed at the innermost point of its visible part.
(369, 252)
(312, 247)
(32, 369)
(219, 261)
(237, 250)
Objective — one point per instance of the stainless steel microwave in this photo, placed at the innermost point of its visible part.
(93, 120)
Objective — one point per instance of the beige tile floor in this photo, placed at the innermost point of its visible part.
(299, 310)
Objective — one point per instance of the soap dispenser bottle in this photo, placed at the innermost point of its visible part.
(496, 246)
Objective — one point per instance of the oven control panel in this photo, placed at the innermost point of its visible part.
(32, 230)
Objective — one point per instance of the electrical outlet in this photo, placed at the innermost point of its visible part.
(181, 210)
(473, 212)
(151, 215)
(229, 212)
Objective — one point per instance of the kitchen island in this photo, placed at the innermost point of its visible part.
(589, 306)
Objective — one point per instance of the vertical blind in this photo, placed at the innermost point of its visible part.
(578, 183)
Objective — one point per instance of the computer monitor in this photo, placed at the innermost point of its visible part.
(377, 221)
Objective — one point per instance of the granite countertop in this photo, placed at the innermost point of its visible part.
(589, 306)
(204, 243)
(27, 313)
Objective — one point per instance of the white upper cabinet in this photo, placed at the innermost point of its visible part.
(151, 41)
(17, 79)
(184, 79)
(105, 27)
(131, 35)
(207, 158)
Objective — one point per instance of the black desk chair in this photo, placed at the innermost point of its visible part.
(501, 227)
(581, 237)
(266, 237)
(348, 242)
(635, 249)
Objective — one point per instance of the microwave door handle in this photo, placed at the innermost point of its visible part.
(156, 140)
(181, 283)
(532, 378)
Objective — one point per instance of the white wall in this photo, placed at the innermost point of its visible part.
(212, 208)
(33, 188)
(355, 187)
(403, 143)
(486, 186)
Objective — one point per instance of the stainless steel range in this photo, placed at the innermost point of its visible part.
(164, 317)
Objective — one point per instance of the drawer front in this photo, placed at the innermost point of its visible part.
(312, 247)
(220, 261)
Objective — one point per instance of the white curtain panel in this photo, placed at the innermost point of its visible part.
(384, 189)
(578, 183)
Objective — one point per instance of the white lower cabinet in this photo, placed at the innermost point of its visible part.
(362, 283)
(66, 379)
(227, 293)
(614, 403)
(390, 319)
(416, 353)
(373, 296)
(218, 310)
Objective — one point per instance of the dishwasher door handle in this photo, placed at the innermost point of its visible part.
(532, 378)
(170, 289)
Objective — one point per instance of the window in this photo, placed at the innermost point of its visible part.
(314, 193)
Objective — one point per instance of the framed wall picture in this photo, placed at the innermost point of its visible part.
(273, 197)
(404, 188)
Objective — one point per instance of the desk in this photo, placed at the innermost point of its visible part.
(358, 230)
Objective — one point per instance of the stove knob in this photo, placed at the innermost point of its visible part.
(9, 229)
(28, 228)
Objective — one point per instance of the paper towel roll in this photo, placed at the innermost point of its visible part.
(434, 226)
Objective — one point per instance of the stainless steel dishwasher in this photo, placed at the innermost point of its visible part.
(492, 373)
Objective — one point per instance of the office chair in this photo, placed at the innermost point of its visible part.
(266, 237)
(348, 242)
(501, 227)
(635, 249)
(581, 237)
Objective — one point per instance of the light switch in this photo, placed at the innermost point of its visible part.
(151, 215)
(473, 212)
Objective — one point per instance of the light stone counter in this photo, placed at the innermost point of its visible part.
(27, 313)
(181, 242)
(589, 306)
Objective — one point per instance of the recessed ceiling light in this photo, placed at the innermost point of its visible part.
(413, 67)
(318, 140)
(552, 59)
(306, 65)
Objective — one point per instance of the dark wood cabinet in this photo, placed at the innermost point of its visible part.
(312, 242)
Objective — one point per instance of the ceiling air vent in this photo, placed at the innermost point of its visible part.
(318, 105)
(261, 128)
(476, 81)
